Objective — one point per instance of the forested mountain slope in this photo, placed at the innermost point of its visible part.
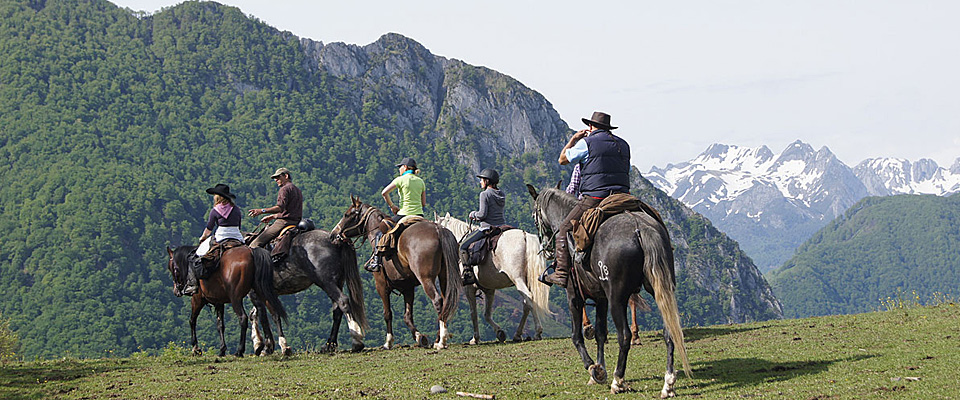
(882, 245)
(112, 123)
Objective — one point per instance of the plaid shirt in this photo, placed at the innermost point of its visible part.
(574, 185)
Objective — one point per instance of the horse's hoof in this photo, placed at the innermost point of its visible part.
(618, 386)
(636, 342)
(258, 351)
(269, 351)
(357, 347)
(538, 336)
(501, 336)
(422, 341)
(196, 351)
(474, 340)
(598, 374)
(439, 346)
(330, 347)
(588, 332)
(238, 355)
(385, 346)
(517, 339)
(666, 394)
(287, 352)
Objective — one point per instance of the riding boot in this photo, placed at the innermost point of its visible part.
(190, 286)
(559, 277)
(374, 264)
(468, 277)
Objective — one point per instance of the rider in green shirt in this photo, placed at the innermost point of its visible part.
(413, 196)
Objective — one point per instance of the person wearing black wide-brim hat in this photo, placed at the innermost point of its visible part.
(604, 161)
(223, 221)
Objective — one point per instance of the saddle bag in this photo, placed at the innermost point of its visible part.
(211, 261)
(479, 251)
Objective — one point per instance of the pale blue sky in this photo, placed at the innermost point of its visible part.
(864, 78)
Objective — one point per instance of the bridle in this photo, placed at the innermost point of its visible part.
(546, 234)
(361, 222)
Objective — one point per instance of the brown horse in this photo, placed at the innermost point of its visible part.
(427, 252)
(241, 269)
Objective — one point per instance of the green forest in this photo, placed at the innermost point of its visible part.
(113, 122)
(880, 248)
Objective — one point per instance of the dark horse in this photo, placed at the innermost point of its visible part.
(426, 252)
(317, 258)
(241, 269)
(630, 251)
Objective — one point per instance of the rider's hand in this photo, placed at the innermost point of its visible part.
(579, 135)
(268, 218)
(473, 215)
(394, 209)
(253, 212)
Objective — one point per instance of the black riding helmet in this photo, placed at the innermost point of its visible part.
(491, 175)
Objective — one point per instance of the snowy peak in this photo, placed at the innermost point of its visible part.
(890, 176)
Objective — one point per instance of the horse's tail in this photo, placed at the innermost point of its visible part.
(348, 259)
(451, 260)
(263, 282)
(658, 265)
(535, 265)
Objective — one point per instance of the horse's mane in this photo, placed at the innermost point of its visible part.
(181, 256)
(458, 225)
(566, 199)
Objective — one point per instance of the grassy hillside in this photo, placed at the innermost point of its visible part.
(902, 353)
(881, 245)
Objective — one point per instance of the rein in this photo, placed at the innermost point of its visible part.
(363, 221)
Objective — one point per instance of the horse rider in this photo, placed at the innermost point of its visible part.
(288, 211)
(490, 214)
(225, 216)
(413, 196)
(604, 160)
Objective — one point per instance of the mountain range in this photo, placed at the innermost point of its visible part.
(771, 203)
(113, 122)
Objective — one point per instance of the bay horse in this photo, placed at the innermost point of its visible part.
(631, 251)
(317, 258)
(427, 253)
(515, 262)
(241, 270)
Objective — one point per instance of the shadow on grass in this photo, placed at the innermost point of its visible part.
(739, 373)
(695, 334)
(40, 382)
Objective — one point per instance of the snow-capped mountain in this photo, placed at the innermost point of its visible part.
(889, 176)
(771, 203)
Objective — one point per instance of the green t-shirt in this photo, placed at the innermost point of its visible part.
(410, 187)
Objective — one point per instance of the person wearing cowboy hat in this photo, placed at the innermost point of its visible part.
(604, 161)
(489, 215)
(223, 223)
(413, 195)
(288, 211)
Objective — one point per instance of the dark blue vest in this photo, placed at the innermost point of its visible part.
(606, 168)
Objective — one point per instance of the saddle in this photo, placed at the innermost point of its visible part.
(587, 226)
(388, 242)
(280, 246)
(211, 261)
(479, 251)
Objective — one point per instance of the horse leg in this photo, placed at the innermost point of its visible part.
(384, 293)
(341, 304)
(624, 335)
(575, 305)
(333, 340)
(472, 300)
(196, 305)
(418, 338)
(258, 319)
(527, 309)
(634, 329)
(255, 332)
(221, 328)
(489, 295)
(429, 287)
(598, 372)
(588, 331)
(237, 305)
(670, 378)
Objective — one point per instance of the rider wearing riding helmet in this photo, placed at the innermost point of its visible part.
(490, 214)
(412, 191)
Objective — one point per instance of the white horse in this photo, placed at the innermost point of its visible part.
(516, 262)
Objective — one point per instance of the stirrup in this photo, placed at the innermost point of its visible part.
(468, 277)
(546, 271)
(372, 265)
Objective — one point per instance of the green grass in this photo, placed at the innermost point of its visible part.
(861, 356)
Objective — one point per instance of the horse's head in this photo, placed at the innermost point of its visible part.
(354, 220)
(177, 264)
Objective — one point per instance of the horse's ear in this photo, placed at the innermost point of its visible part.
(532, 190)
(448, 214)
(435, 216)
(558, 183)
(169, 252)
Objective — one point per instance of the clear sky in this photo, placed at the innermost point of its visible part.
(871, 78)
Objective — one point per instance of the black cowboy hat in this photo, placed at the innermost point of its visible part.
(408, 162)
(222, 190)
(600, 120)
